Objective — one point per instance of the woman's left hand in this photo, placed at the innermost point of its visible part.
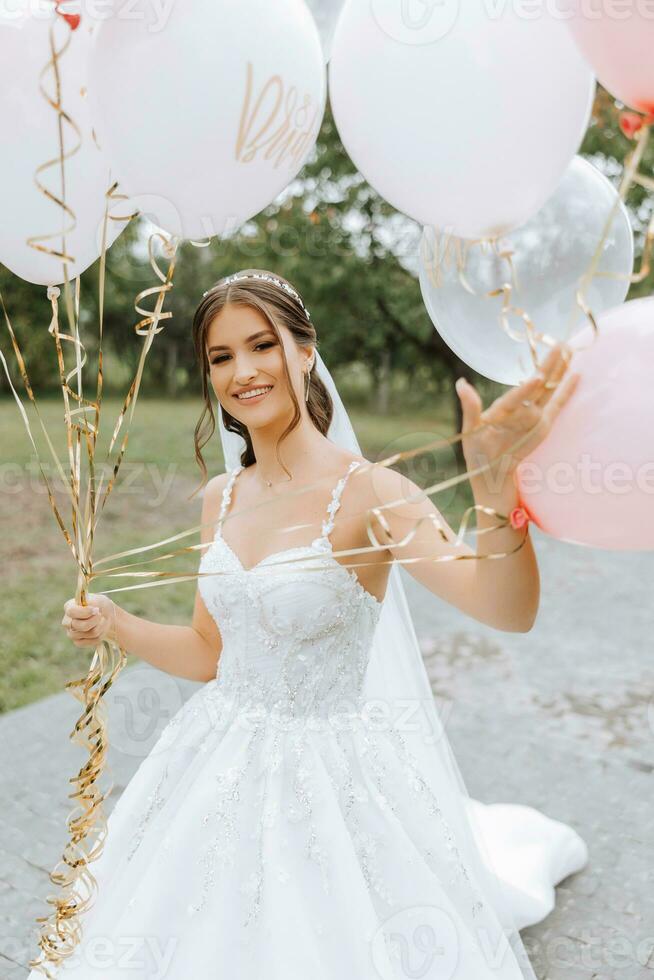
(530, 407)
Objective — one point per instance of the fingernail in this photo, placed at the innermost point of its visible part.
(460, 383)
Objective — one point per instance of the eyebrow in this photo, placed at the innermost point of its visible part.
(261, 333)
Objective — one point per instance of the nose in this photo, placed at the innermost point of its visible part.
(244, 369)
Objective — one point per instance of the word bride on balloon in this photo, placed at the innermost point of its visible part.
(293, 127)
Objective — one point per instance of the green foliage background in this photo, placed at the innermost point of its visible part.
(340, 243)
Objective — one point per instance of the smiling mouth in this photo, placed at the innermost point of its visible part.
(254, 398)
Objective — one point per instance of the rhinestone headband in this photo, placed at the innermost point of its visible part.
(259, 275)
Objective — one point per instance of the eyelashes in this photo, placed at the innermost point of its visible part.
(223, 357)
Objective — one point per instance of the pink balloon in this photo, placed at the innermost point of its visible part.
(591, 481)
(617, 39)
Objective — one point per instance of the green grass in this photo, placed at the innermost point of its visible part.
(151, 502)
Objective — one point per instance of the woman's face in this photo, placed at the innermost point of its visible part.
(244, 354)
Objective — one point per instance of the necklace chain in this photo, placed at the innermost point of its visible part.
(269, 483)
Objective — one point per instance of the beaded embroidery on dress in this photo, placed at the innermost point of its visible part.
(276, 830)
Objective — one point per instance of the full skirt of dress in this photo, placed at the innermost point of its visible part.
(249, 851)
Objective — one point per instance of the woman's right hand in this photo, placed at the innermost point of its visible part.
(89, 625)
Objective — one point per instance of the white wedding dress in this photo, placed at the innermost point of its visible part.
(271, 834)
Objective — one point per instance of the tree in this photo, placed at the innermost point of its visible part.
(347, 250)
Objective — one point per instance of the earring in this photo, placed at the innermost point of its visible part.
(308, 384)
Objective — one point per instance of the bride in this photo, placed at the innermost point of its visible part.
(302, 814)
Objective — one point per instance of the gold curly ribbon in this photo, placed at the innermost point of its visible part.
(148, 326)
(61, 931)
(170, 578)
(58, 161)
(631, 175)
(455, 252)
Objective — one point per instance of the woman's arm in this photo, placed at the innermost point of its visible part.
(183, 651)
(191, 651)
(502, 593)
(512, 582)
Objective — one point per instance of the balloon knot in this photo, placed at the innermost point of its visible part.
(73, 20)
(54, 292)
(519, 517)
(631, 123)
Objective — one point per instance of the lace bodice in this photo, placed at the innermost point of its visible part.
(297, 627)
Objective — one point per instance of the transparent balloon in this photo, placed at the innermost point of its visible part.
(544, 263)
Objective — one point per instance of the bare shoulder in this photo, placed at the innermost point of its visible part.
(214, 487)
(401, 503)
(211, 501)
(385, 486)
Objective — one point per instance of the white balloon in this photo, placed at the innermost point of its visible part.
(552, 252)
(325, 13)
(463, 115)
(215, 109)
(30, 125)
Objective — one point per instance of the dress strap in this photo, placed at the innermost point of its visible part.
(227, 497)
(328, 523)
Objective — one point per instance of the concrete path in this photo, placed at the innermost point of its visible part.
(561, 718)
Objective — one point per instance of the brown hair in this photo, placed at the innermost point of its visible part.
(278, 307)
